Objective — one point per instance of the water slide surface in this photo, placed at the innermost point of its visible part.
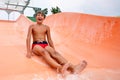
(76, 36)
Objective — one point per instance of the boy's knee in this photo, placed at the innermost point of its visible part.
(54, 55)
(45, 53)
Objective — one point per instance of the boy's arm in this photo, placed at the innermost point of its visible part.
(49, 38)
(28, 40)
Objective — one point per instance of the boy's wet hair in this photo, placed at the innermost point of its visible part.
(40, 12)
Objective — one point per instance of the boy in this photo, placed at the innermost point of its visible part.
(44, 47)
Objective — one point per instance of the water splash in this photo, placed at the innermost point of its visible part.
(91, 74)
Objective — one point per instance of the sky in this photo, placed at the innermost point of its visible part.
(95, 7)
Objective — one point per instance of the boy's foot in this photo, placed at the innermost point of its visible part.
(64, 69)
(80, 67)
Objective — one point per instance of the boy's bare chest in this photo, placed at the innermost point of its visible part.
(39, 30)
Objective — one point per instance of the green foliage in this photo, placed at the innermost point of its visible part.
(36, 9)
(31, 18)
(45, 11)
(55, 10)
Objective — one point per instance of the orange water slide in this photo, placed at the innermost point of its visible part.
(76, 36)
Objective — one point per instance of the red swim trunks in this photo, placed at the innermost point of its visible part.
(42, 44)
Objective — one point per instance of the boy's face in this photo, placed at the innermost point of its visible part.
(39, 18)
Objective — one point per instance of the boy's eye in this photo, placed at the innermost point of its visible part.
(39, 15)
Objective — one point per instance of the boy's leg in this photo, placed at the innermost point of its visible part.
(38, 50)
(60, 59)
(63, 61)
(41, 51)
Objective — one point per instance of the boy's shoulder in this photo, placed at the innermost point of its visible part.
(32, 25)
(46, 26)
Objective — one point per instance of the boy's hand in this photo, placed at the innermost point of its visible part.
(29, 54)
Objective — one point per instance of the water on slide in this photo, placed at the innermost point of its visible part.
(76, 37)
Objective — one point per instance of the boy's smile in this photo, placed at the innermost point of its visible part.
(39, 18)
